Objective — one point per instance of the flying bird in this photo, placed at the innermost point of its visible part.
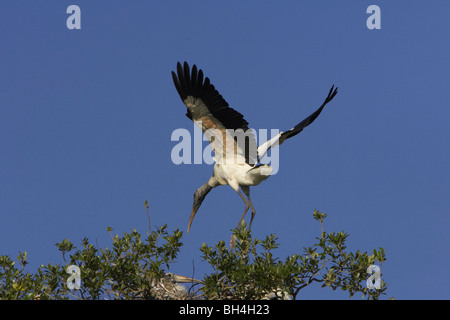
(236, 155)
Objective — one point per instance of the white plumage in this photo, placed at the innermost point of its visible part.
(236, 154)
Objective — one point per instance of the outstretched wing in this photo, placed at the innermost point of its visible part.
(279, 139)
(226, 129)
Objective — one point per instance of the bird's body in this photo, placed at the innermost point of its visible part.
(237, 157)
(240, 175)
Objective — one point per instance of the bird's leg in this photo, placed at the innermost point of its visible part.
(246, 190)
(247, 206)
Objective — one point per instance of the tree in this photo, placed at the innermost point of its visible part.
(137, 268)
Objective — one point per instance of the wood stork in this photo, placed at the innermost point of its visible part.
(169, 287)
(236, 162)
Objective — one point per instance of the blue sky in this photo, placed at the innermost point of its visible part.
(86, 118)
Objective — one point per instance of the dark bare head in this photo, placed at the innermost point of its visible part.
(199, 196)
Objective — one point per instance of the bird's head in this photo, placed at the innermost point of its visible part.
(199, 196)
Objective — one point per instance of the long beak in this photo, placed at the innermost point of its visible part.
(199, 196)
(194, 211)
(182, 279)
